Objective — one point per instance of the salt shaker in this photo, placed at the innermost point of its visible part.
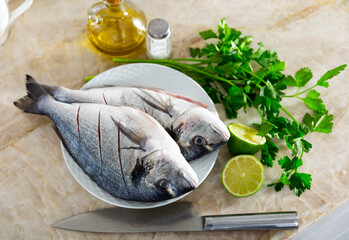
(158, 39)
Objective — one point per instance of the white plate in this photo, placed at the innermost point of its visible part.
(146, 75)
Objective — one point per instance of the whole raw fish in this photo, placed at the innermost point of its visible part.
(196, 130)
(124, 150)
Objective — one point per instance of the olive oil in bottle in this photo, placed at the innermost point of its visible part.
(116, 28)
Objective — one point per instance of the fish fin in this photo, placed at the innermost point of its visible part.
(157, 103)
(35, 93)
(179, 97)
(139, 171)
(136, 135)
(144, 166)
(187, 99)
(102, 86)
(201, 104)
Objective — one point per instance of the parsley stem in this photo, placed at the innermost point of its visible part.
(301, 152)
(253, 74)
(249, 64)
(235, 47)
(306, 90)
(129, 60)
(174, 62)
(191, 60)
(299, 98)
(295, 170)
(255, 106)
(289, 114)
(89, 78)
(198, 64)
(299, 93)
(188, 66)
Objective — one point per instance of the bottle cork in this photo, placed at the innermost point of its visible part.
(113, 1)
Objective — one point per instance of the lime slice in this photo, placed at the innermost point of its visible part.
(244, 139)
(243, 175)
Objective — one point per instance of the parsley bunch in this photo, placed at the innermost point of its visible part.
(236, 75)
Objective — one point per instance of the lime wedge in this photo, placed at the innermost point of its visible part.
(243, 175)
(244, 139)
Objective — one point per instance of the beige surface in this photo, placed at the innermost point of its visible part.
(49, 42)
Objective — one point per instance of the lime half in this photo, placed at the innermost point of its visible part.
(244, 139)
(243, 175)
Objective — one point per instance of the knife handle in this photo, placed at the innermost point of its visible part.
(253, 221)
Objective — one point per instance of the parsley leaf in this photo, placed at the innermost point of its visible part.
(330, 74)
(297, 145)
(208, 34)
(287, 164)
(276, 68)
(319, 123)
(282, 182)
(269, 153)
(323, 123)
(272, 91)
(194, 52)
(247, 88)
(314, 102)
(264, 128)
(236, 98)
(281, 124)
(299, 182)
(289, 81)
(303, 76)
(212, 93)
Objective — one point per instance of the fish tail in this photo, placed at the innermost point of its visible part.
(35, 94)
(51, 89)
(61, 94)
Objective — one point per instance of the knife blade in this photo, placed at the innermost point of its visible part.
(177, 217)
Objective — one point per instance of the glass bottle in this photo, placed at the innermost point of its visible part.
(116, 28)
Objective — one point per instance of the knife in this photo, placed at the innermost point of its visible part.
(177, 217)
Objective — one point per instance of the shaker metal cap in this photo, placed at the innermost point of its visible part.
(158, 28)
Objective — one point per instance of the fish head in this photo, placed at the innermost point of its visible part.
(199, 131)
(168, 175)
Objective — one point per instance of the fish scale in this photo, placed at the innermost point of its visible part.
(175, 113)
(130, 97)
(108, 143)
(125, 151)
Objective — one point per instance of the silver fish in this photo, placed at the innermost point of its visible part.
(124, 150)
(196, 130)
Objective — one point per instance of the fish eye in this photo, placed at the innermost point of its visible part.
(163, 184)
(199, 140)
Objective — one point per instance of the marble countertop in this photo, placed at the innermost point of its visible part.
(49, 42)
